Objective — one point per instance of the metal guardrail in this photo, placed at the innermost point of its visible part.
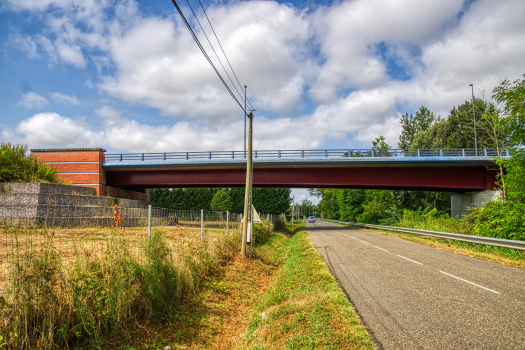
(498, 242)
(298, 154)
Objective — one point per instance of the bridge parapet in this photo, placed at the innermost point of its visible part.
(321, 156)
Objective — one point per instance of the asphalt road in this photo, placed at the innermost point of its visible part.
(411, 296)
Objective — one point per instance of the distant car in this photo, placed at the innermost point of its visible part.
(311, 219)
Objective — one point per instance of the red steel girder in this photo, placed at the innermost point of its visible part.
(463, 178)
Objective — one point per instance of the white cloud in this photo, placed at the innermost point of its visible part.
(159, 65)
(332, 55)
(53, 130)
(32, 100)
(61, 98)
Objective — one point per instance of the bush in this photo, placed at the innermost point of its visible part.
(16, 166)
(428, 219)
(278, 224)
(500, 220)
(262, 231)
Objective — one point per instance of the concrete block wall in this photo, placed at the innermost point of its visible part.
(65, 205)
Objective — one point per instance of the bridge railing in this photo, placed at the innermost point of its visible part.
(317, 153)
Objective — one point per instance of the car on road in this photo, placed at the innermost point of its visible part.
(311, 219)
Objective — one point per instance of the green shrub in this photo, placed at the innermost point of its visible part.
(262, 231)
(279, 224)
(16, 166)
(500, 220)
(428, 219)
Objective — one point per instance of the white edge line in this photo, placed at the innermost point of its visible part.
(365, 242)
(477, 285)
(404, 257)
(381, 249)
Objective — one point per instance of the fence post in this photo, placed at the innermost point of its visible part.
(202, 225)
(227, 219)
(149, 225)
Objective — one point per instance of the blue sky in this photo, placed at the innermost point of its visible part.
(126, 75)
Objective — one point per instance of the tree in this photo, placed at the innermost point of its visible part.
(439, 135)
(412, 125)
(221, 201)
(513, 99)
(461, 121)
(380, 147)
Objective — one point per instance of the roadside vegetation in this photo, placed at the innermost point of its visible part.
(117, 291)
(303, 308)
(16, 165)
(500, 127)
(97, 292)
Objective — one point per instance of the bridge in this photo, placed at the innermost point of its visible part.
(453, 170)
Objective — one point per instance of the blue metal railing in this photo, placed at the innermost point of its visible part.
(299, 154)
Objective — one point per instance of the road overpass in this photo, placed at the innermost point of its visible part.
(454, 170)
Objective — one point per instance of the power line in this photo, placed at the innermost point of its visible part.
(205, 54)
(216, 37)
(225, 71)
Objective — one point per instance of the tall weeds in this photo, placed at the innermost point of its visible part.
(53, 303)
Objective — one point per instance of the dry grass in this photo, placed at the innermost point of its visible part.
(88, 287)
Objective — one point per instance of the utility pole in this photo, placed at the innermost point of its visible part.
(247, 194)
(245, 120)
(474, 112)
(293, 207)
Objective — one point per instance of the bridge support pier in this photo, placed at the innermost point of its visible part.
(462, 204)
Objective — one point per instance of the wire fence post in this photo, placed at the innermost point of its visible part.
(149, 225)
(202, 225)
(227, 220)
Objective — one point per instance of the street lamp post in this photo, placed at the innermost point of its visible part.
(474, 112)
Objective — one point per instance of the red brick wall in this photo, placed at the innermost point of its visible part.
(80, 166)
(83, 167)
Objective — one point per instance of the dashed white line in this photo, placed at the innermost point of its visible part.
(404, 257)
(381, 249)
(477, 285)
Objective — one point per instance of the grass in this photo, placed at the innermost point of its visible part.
(112, 292)
(303, 308)
(64, 292)
(505, 256)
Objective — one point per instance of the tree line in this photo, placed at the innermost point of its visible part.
(500, 125)
(265, 200)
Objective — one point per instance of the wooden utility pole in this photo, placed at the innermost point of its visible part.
(247, 193)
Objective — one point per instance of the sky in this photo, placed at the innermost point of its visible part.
(128, 77)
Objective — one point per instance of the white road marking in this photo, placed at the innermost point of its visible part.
(353, 237)
(404, 257)
(477, 285)
(365, 242)
(381, 249)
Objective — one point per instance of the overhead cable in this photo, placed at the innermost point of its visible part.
(216, 37)
(225, 71)
(205, 54)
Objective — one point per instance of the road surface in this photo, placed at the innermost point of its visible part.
(412, 296)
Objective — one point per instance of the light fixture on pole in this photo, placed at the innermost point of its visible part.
(474, 112)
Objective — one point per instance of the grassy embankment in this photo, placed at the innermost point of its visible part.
(505, 256)
(281, 297)
(303, 307)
